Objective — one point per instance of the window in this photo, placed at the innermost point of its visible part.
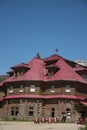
(21, 89)
(11, 89)
(67, 89)
(53, 112)
(14, 111)
(31, 111)
(84, 76)
(68, 113)
(50, 74)
(32, 88)
(52, 89)
(15, 74)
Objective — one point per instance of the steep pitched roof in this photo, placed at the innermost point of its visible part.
(39, 67)
(66, 72)
(20, 65)
(37, 70)
(34, 73)
(80, 68)
(53, 57)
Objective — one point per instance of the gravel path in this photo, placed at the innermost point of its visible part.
(32, 126)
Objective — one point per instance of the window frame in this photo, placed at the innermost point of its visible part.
(31, 111)
(32, 88)
(14, 111)
(52, 89)
(21, 89)
(84, 76)
(67, 88)
(68, 113)
(11, 89)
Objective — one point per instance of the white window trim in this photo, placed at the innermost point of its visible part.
(68, 114)
(21, 89)
(67, 89)
(52, 89)
(11, 89)
(32, 88)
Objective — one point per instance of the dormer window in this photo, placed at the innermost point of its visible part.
(11, 89)
(20, 69)
(21, 89)
(52, 69)
(52, 90)
(32, 88)
(84, 76)
(50, 74)
(15, 74)
(67, 89)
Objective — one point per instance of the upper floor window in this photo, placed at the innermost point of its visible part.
(67, 89)
(15, 74)
(52, 89)
(50, 74)
(18, 74)
(21, 89)
(32, 88)
(11, 89)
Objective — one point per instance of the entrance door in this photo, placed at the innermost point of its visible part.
(53, 112)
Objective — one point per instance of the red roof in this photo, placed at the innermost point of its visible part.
(84, 103)
(38, 69)
(46, 96)
(53, 57)
(80, 68)
(1, 99)
(10, 72)
(20, 65)
(66, 72)
(35, 73)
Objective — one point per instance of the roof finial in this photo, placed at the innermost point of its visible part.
(56, 50)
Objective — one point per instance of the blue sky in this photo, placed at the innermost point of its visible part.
(31, 26)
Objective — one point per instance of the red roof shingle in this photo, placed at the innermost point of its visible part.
(38, 69)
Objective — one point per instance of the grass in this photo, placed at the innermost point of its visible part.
(83, 128)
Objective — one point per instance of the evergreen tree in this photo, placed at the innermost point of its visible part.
(38, 56)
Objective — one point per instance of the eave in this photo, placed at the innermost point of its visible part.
(46, 97)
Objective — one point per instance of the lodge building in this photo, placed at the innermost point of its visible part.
(49, 87)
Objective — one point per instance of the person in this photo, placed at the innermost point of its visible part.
(63, 118)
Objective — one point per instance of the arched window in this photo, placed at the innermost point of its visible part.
(67, 89)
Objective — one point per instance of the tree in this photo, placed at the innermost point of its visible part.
(38, 56)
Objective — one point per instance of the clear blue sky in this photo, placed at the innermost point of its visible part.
(31, 26)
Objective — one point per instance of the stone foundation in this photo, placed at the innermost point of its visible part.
(29, 109)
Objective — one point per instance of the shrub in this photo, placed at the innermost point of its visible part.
(83, 128)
